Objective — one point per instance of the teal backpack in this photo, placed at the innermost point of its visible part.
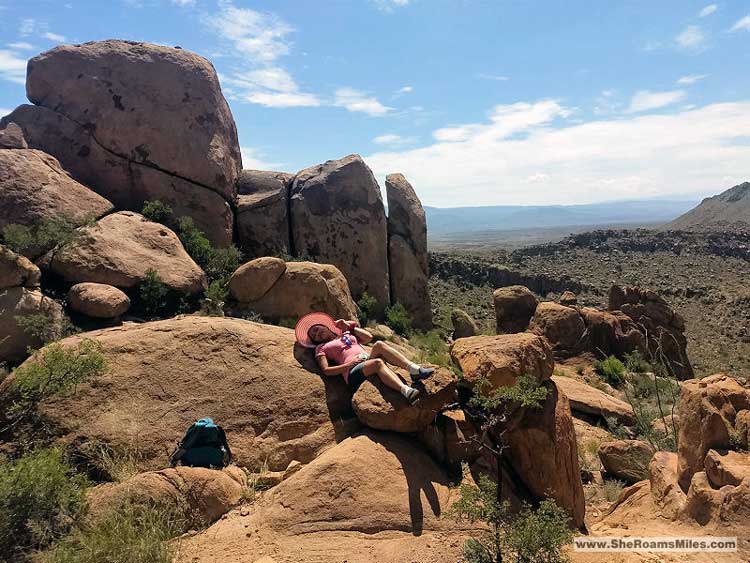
(203, 445)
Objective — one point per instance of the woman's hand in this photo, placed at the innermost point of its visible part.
(344, 326)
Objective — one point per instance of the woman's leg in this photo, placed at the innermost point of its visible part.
(378, 367)
(382, 350)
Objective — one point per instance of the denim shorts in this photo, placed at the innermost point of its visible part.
(356, 376)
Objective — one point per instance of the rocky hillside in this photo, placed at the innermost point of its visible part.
(729, 210)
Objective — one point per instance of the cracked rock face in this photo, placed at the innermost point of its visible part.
(137, 122)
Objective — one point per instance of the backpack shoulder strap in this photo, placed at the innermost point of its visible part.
(223, 437)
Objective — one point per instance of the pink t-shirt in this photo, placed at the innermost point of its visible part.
(339, 352)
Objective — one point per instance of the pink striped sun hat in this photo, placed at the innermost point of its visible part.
(310, 320)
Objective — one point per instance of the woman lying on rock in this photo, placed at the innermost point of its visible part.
(340, 342)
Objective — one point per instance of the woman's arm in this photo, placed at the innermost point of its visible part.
(362, 335)
(333, 370)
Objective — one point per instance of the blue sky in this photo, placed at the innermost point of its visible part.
(477, 102)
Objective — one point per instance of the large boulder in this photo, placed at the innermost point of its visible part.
(665, 490)
(137, 122)
(338, 218)
(590, 401)
(407, 250)
(11, 137)
(562, 326)
(502, 359)
(98, 300)
(663, 328)
(463, 324)
(119, 250)
(707, 412)
(263, 212)
(544, 454)
(277, 290)
(164, 375)
(34, 187)
(382, 408)
(514, 307)
(200, 494)
(610, 332)
(727, 467)
(627, 460)
(17, 270)
(20, 302)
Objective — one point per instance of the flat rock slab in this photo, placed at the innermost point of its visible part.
(589, 400)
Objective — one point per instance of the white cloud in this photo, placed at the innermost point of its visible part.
(12, 67)
(389, 5)
(21, 46)
(184, 3)
(644, 100)
(607, 103)
(691, 38)
(691, 78)
(707, 11)
(741, 24)
(633, 157)
(252, 160)
(54, 37)
(27, 27)
(404, 90)
(358, 101)
(497, 77)
(394, 140)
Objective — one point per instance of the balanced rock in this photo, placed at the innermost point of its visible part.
(34, 187)
(514, 307)
(407, 246)
(502, 359)
(119, 250)
(98, 300)
(278, 290)
(707, 412)
(382, 408)
(153, 125)
(588, 400)
(562, 326)
(17, 270)
(727, 467)
(627, 460)
(544, 454)
(463, 324)
(21, 302)
(272, 405)
(263, 212)
(11, 137)
(338, 218)
(203, 495)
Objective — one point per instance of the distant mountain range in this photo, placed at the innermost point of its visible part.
(442, 220)
(729, 210)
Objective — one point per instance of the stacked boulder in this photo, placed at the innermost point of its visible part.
(263, 213)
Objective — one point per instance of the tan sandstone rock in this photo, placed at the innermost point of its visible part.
(707, 412)
(119, 249)
(338, 218)
(199, 493)
(407, 246)
(503, 358)
(626, 459)
(255, 278)
(19, 302)
(17, 270)
(562, 326)
(569, 299)
(727, 467)
(514, 307)
(463, 324)
(703, 502)
(304, 287)
(98, 300)
(11, 137)
(248, 377)
(263, 212)
(382, 408)
(591, 401)
(665, 490)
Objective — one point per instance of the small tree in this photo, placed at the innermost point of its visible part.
(157, 211)
(398, 319)
(367, 305)
(153, 292)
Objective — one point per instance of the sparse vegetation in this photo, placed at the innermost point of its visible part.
(611, 370)
(117, 463)
(612, 489)
(153, 292)
(158, 212)
(367, 305)
(213, 302)
(433, 349)
(47, 234)
(131, 533)
(44, 327)
(588, 454)
(398, 319)
(41, 497)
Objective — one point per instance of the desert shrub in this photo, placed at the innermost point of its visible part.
(222, 263)
(40, 499)
(18, 238)
(157, 211)
(636, 363)
(218, 263)
(288, 322)
(153, 292)
(44, 327)
(47, 234)
(398, 319)
(432, 348)
(250, 315)
(526, 393)
(131, 533)
(214, 298)
(116, 463)
(368, 307)
(612, 370)
(612, 488)
(527, 536)
(588, 454)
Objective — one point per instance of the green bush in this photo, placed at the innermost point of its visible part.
(44, 327)
(132, 533)
(612, 370)
(222, 263)
(368, 307)
(157, 211)
(153, 292)
(195, 242)
(214, 299)
(40, 499)
(18, 238)
(432, 347)
(636, 363)
(526, 393)
(43, 236)
(398, 319)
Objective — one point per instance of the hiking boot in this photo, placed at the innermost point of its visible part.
(424, 373)
(412, 395)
